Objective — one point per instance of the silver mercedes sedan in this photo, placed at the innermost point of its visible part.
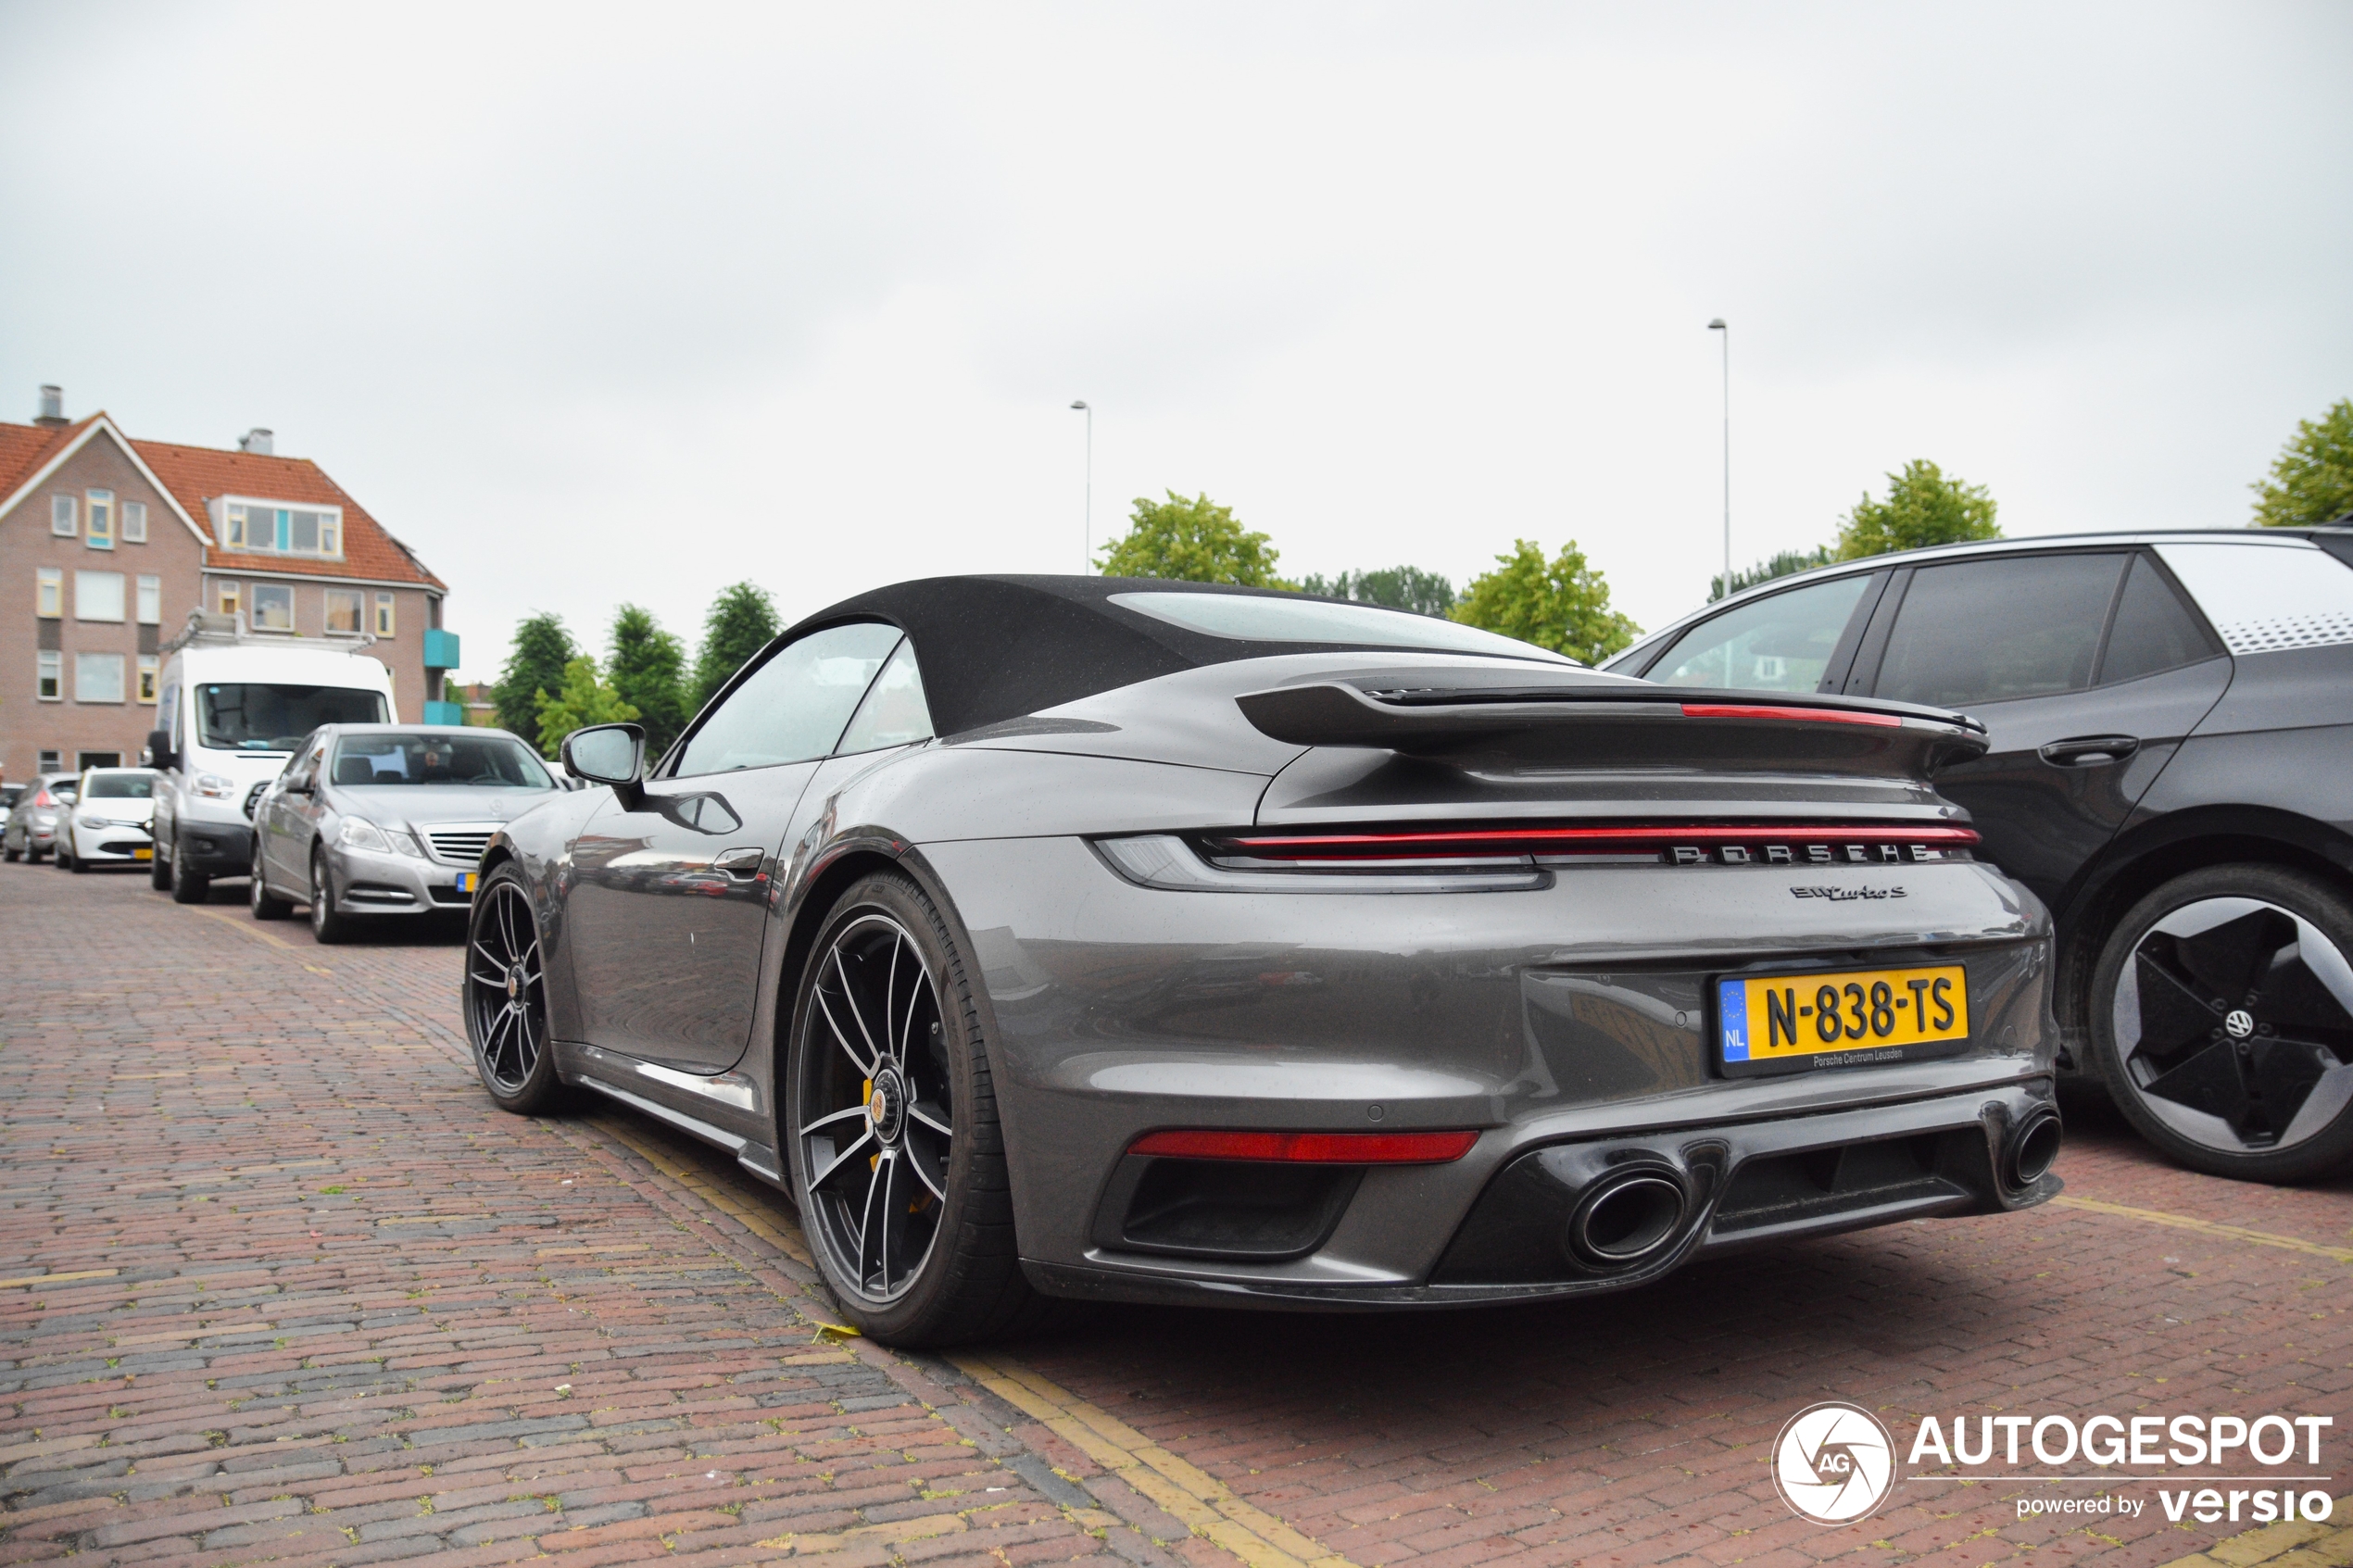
(376, 819)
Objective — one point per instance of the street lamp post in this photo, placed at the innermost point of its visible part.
(1086, 555)
(1717, 326)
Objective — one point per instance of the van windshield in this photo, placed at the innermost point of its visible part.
(255, 716)
(498, 760)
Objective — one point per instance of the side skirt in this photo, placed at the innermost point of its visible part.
(683, 1100)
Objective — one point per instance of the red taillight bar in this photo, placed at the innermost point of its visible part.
(1528, 841)
(1817, 715)
(1309, 1148)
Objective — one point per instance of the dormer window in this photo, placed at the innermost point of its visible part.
(278, 528)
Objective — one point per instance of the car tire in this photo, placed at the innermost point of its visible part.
(2218, 1040)
(265, 904)
(80, 865)
(505, 998)
(159, 871)
(328, 924)
(962, 1277)
(187, 886)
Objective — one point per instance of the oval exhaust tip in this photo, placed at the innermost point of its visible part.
(1630, 1219)
(2035, 1149)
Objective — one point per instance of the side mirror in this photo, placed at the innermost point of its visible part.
(610, 754)
(159, 749)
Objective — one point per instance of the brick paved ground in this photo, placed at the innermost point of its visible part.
(337, 1309)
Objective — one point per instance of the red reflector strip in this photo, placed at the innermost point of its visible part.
(1526, 841)
(1817, 715)
(1309, 1148)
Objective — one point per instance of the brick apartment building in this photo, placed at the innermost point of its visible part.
(108, 544)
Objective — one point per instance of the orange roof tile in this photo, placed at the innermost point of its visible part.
(196, 474)
(23, 448)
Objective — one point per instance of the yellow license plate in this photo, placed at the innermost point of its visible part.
(466, 881)
(147, 854)
(1846, 1018)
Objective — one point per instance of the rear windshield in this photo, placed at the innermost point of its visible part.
(1320, 620)
(8, 794)
(493, 761)
(120, 786)
(257, 717)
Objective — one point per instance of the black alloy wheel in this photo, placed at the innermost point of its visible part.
(2223, 1023)
(898, 1159)
(506, 998)
(265, 904)
(329, 925)
(187, 885)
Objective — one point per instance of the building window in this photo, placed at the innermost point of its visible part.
(53, 761)
(97, 677)
(64, 514)
(290, 530)
(272, 606)
(101, 535)
(50, 596)
(52, 681)
(228, 599)
(343, 611)
(147, 678)
(383, 615)
(134, 522)
(97, 595)
(150, 601)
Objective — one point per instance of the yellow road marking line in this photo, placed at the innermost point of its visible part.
(2290, 1545)
(58, 1279)
(785, 1238)
(2208, 1227)
(248, 928)
(1199, 1499)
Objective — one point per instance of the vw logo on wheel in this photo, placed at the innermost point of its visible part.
(2241, 1023)
(1834, 1462)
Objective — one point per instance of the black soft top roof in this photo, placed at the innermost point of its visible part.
(994, 648)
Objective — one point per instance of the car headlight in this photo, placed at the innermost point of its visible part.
(359, 832)
(405, 842)
(212, 786)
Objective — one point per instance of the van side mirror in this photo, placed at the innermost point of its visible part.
(159, 753)
(610, 754)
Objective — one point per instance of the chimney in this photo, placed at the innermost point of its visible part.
(53, 407)
(256, 441)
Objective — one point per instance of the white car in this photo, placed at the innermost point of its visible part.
(112, 822)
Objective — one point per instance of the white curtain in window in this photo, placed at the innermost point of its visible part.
(97, 595)
(97, 677)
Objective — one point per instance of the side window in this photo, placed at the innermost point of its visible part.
(2263, 597)
(894, 712)
(2153, 629)
(1989, 631)
(793, 707)
(1782, 643)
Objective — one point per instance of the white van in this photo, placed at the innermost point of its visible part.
(234, 708)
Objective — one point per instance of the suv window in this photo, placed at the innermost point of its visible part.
(1989, 631)
(2268, 596)
(2153, 630)
(1782, 643)
(792, 708)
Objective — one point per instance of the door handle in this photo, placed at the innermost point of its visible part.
(741, 862)
(2089, 751)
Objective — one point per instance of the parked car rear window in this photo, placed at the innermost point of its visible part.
(793, 707)
(253, 716)
(1988, 630)
(121, 786)
(1782, 643)
(491, 761)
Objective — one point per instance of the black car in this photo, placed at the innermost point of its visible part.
(2169, 769)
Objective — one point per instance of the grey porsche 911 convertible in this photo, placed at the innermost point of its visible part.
(1133, 940)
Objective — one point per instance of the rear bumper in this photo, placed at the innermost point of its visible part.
(1746, 1184)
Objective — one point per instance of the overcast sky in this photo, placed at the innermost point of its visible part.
(591, 304)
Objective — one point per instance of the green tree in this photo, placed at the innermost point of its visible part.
(1783, 563)
(648, 671)
(742, 621)
(1399, 587)
(2312, 477)
(1195, 541)
(1922, 508)
(1562, 604)
(535, 663)
(582, 700)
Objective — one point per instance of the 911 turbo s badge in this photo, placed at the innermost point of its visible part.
(1846, 894)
